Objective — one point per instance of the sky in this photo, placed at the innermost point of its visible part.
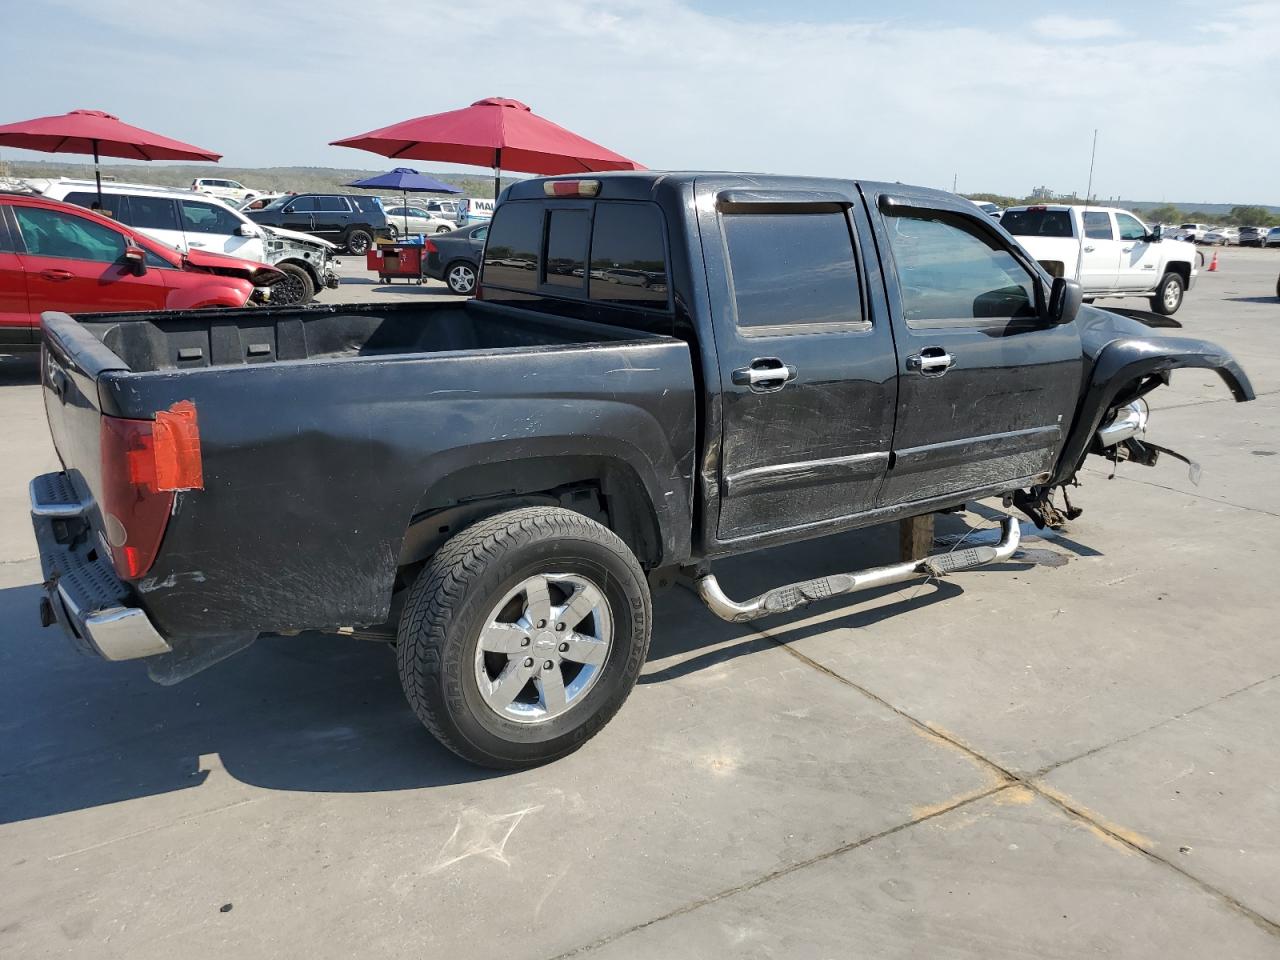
(1002, 97)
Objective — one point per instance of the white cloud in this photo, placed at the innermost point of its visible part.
(1004, 108)
(1075, 28)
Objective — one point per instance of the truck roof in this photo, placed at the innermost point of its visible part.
(643, 184)
(1070, 206)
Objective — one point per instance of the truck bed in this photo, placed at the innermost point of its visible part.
(326, 430)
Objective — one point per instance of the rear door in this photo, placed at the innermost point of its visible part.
(332, 217)
(76, 265)
(805, 350)
(987, 387)
(1100, 257)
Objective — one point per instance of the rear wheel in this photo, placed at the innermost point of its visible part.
(1168, 296)
(296, 287)
(461, 277)
(358, 242)
(523, 636)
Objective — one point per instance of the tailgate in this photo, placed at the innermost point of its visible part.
(72, 361)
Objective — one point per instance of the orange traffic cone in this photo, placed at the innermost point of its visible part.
(1213, 264)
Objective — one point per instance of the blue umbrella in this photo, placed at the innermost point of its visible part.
(406, 181)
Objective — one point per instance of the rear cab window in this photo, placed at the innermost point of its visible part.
(611, 252)
(1037, 223)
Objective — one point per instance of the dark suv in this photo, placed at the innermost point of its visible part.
(352, 221)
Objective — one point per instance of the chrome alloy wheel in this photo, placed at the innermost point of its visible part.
(543, 646)
(1172, 294)
(462, 278)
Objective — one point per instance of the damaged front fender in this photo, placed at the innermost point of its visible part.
(1127, 368)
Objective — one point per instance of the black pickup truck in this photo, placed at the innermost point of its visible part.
(659, 370)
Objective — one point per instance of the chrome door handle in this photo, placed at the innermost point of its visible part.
(1088, 249)
(1126, 249)
(765, 375)
(931, 362)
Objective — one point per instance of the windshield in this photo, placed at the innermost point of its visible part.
(1037, 223)
(278, 202)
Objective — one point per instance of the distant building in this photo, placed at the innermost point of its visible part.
(1042, 193)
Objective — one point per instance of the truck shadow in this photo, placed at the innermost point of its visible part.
(320, 713)
(19, 369)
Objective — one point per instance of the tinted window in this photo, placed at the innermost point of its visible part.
(363, 204)
(566, 248)
(153, 213)
(332, 204)
(949, 269)
(480, 233)
(511, 256)
(792, 268)
(1098, 226)
(198, 217)
(302, 205)
(626, 245)
(51, 233)
(1130, 228)
(113, 206)
(1037, 223)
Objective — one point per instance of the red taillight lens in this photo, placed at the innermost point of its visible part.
(143, 463)
(431, 247)
(571, 188)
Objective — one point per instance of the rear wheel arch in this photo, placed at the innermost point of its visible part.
(606, 489)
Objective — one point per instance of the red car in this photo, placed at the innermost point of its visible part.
(56, 256)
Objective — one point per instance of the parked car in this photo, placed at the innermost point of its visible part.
(495, 484)
(58, 256)
(1252, 237)
(1272, 239)
(186, 221)
(229, 190)
(407, 221)
(257, 203)
(1221, 237)
(989, 208)
(1192, 231)
(1117, 254)
(352, 221)
(455, 257)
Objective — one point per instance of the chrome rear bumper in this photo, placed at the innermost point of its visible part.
(83, 595)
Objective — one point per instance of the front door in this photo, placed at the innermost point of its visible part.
(16, 318)
(805, 354)
(987, 387)
(1139, 258)
(213, 228)
(77, 266)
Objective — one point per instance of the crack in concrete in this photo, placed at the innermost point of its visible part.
(1008, 778)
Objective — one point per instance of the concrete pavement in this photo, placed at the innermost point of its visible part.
(1069, 755)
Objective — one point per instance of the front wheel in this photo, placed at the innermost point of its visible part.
(1168, 296)
(461, 278)
(296, 288)
(358, 242)
(523, 636)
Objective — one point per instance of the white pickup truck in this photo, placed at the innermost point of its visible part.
(1111, 253)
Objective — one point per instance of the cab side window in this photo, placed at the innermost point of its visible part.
(200, 217)
(953, 273)
(52, 233)
(1130, 228)
(1097, 226)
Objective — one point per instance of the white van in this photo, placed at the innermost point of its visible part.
(474, 210)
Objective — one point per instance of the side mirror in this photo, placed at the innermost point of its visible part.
(135, 260)
(1065, 297)
(1156, 234)
(247, 230)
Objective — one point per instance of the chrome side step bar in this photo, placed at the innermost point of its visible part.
(794, 595)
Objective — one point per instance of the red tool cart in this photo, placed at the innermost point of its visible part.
(398, 259)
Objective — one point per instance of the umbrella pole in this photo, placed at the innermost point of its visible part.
(404, 196)
(497, 173)
(97, 175)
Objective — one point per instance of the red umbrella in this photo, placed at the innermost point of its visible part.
(95, 132)
(493, 132)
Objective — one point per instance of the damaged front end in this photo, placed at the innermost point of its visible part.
(1113, 415)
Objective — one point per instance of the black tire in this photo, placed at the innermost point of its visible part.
(440, 230)
(297, 287)
(1168, 296)
(395, 232)
(358, 242)
(456, 277)
(449, 603)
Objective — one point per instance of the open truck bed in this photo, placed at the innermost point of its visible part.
(321, 433)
